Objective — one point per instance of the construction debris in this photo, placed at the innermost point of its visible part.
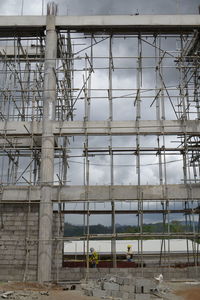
(19, 295)
(7, 294)
(117, 287)
(46, 293)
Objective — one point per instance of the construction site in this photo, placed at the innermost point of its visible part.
(99, 118)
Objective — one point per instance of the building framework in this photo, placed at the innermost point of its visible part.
(98, 109)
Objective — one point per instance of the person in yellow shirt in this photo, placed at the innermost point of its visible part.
(94, 258)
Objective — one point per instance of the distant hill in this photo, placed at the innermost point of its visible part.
(78, 230)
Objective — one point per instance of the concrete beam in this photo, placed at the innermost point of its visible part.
(179, 192)
(20, 194)
(22, 25)
(22, 21)
(119, 23)
(132, 23)
(121, 193)
(146, 127)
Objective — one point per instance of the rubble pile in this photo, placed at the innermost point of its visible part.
(22, 295)
(121, 288)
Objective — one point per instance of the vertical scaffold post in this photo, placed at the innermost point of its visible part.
(47, 163)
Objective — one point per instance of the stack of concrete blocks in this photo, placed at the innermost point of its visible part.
(19, 227)
(122, 288)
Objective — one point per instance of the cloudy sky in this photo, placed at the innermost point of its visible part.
(125, 165)
(99, 7)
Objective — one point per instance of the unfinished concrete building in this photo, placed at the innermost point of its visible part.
(98, 115)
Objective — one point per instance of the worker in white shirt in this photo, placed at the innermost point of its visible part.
(129, 253)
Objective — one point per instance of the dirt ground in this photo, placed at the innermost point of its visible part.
(185, 290)
(54, 292)
(16, 286)
(66, 295)
(190, 294)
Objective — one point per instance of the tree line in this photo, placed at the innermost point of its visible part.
(174, 227)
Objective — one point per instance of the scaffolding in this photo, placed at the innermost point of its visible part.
(124, 127)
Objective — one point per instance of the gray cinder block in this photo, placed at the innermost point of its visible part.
(111, 286)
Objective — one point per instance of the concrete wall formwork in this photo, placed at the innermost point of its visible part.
(94, 110)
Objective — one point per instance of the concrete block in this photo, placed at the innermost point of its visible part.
(128, 281)
(94, 276)
(123, 288)
(76, 270)
(109, 293)
(144, 285)
(112, 286)
(88, 292)
(114, 271)
(130, 288)
(99, 293)
(142, 297)
(103, 271)
(126, 295)
(117, 294)
(120, 280)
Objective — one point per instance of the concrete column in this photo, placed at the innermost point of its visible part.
(47, 162)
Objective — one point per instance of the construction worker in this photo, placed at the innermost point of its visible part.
(94, 258)
(129, 253)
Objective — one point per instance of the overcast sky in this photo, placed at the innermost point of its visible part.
(99, 7)
(125, 166)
